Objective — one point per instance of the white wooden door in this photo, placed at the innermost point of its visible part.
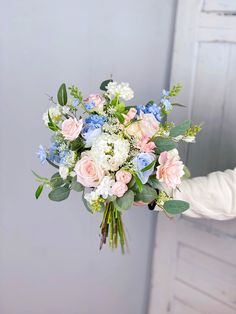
(194, 264)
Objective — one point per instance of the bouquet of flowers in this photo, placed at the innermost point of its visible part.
(116, 155)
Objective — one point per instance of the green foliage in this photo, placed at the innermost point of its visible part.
(39, 191)
(148, 166)
(77, 145)
(175, 207)
(104, 84)
(187, 173)
(147, 195)
(52, 126)
(56, 180)
(175, 90)
(124, 202)
(120, 107)
(75, 185)
(76, 93)
(62, 95)
(39, 177)
(120, 117)
(180, 129)
(59, 194)
(153, 182)
(164, 144)
(193, 130)
(138, 182)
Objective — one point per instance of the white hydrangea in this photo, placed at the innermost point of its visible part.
(103, 190)
(122, 90)
(55, 115)
(110, 151)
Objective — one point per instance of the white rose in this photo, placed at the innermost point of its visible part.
(63, 171)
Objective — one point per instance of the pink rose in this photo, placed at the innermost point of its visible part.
(97, 100)
(171, 168)
(130, 115)
(145, 146)
(119, 188)
(71, 128)
(148, 124)
(123, 176)
(89, 174)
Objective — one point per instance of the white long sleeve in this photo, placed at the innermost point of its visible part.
(213, 196)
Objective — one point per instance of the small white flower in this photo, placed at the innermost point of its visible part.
(63, 171)
(64, 109)
(121, 90)
(54, 113)
(104, 188)
(189, 139)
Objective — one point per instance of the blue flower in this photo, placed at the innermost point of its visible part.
(141, 161)
(89, 105)
(95, 119)
(141, 108)
(165, 93)
(63, 157)
(75, 103)
(42, 154)
(90, 132)
(166, 103)
(150, 108)
(53, 152)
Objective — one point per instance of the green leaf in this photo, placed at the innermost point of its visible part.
(187, 173)
(132, 182)
(147, 195)
(138, 182)
(124, 202)
(148, 166)
(178, 105)
(56, 180)
(59, 194)
(38, 176)
(62, 95)
(164, 144)
(120, 117)
(52, 164)
(175, 207)
(77, 145)
(39, 191)
(180, 129)
(104, 84)
(86, 204)
(52, 126)
(153, 182)
(120, 107)
(76, 186)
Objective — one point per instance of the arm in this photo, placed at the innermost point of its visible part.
(213, 196)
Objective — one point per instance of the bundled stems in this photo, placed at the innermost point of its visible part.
(112, 228)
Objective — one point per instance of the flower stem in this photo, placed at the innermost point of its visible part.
(112, 228)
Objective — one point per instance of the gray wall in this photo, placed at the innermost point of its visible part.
(49, 258)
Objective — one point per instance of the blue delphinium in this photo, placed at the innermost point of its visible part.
(53, 153)
(166, 103)
(90, 105)
(141, 161)
(90, 132)
(95, 119)
(42, 154)
(151, 108)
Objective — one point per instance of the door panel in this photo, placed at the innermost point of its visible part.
(194, 263)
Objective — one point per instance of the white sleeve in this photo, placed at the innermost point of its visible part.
(213, 196)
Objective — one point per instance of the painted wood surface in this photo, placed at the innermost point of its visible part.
(194, 264)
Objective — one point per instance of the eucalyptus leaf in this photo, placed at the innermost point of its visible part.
(59, 194)
(76, 186)
(124, 202)
(104, 84)
(180, 129)
(153, 182)
(39, 191)
(164, 144)
(147, 195)
(187, 173)
(175, 207)
(62, 95)
(56, 180)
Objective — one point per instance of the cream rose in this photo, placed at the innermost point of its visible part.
(71, 128)
(89, 174)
